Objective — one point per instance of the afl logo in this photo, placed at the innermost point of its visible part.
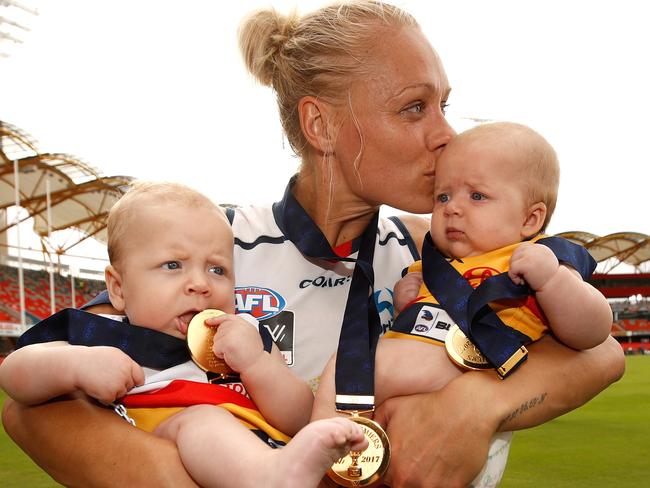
(261, 303)
(476, 276)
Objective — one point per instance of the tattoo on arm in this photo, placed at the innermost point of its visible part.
(533, 402)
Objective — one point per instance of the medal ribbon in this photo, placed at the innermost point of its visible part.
(499, 343)
(103, 299)
(360, 330)
(147, 347)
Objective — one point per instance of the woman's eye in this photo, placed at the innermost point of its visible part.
(416, 108)
(477, 196)
(218, 270)
(172, 265)
(442, 198)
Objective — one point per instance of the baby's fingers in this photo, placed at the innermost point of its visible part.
(137, 374)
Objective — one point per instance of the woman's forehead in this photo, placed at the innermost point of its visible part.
(403, 60)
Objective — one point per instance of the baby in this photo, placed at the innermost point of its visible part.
(171, 256)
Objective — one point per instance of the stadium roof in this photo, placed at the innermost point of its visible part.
(80, 197)
(632, 248)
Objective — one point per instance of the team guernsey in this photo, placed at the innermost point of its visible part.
(427, 321)
(300, 300)
(172, 381)
(168, 391)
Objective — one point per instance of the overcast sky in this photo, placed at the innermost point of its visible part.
(156, 89)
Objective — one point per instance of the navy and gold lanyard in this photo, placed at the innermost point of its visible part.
(147, 347)
(469, 308)
(361, 327)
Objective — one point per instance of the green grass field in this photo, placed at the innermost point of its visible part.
(605, 443)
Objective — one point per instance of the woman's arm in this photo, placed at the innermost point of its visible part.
(81, 444)
(442, 438)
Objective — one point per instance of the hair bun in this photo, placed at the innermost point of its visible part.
(262, 36)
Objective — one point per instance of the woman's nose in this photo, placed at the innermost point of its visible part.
(440, 135)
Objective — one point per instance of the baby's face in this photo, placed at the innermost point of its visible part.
(479, 202)
(177, 261)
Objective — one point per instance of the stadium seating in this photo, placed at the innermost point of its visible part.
(640, 324)
(636, 347)
(37, 293)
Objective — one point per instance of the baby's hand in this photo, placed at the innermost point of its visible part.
(236, 341)
(106, 373)
(534, 264)
(406, 290)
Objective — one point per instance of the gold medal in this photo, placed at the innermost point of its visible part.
(364, 468)
(199, 341)
(463, 352)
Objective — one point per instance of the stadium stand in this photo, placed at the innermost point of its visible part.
(632, 324)
(37, 293)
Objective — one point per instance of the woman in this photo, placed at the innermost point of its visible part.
(362, 97)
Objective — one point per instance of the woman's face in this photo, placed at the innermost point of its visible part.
(400, 127)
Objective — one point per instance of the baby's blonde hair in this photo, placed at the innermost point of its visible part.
(143, 192)
(319, 54)
(540, 166)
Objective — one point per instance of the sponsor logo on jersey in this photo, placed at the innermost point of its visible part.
(237, 388)
(281, 328)
(384, 302)
(325, 281)
(476, 276)
(432, 322)
(261, 303)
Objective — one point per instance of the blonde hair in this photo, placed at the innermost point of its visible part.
(540, 166)
(319, 54)
(143, 192)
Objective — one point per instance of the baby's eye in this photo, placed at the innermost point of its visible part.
(171, 265)
(218, 270)
(477, 196)
(443, 107)
(442, 198)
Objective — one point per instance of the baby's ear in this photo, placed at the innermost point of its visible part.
(114, 287)
(534, 222)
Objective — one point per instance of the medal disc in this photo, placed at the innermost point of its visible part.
(463, 351)
(365, 468)
(199, 342)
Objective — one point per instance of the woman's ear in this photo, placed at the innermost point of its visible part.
(114, 287)
(534, 220)
(314, 122)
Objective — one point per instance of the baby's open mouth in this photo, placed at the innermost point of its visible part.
(184, 320)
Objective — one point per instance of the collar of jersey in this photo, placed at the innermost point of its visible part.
(296, 224)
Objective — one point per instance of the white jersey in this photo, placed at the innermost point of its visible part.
(301, 301)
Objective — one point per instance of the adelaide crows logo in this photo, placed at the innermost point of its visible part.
(426, 315)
